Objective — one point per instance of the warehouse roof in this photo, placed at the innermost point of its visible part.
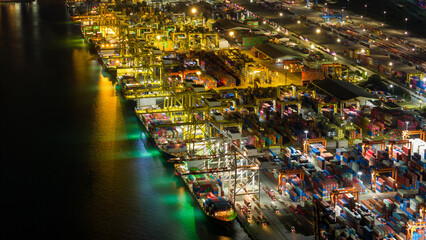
(341, 90)
(228, 25)
(275, 51)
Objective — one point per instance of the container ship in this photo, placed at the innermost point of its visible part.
(207, 193)
(164, 138)
(128, 83)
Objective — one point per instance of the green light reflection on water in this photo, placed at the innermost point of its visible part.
(71, 43)
(150, 153)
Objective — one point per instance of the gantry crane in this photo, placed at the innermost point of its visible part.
(392, 144)
(282, 173)
(367, 143)
(335, 194)
(407, 134)
(323, 141)
(419, 75)
(334, 69)
(413, 226)
(320, 105)
(376, 172)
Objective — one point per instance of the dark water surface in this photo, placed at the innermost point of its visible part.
(74, 162)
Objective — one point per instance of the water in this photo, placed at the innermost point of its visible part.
(74, 162)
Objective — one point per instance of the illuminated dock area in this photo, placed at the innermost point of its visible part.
(301, 144)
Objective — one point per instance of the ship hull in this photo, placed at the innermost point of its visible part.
(153, 142)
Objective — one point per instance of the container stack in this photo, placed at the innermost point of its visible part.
(385, 184)
(402, 124)
(408, 181)
(291, 154)
(323, 186)
(318, 152)
(294, 188)
(202, 188)
(422, 190)
(373, 130)
(273, 138)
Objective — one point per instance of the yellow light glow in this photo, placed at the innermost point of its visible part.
(193, 10)
(231, 33)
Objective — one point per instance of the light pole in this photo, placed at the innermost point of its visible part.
(194, 12)
(391, 87)
(158, 39)
(285, 71)
(384, 18)
(306, 134)
(406, 19)
(365, 9)
(406, 126)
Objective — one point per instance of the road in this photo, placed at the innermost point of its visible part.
(280, 223)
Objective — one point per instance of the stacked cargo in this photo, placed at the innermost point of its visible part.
(386, 117)
(291, 154)
(422, 190)
(253, 40)
(294, 187)
(319, 154)
(405, 207)
(407, 124)
(398, 154)
(202, 188)
(415, 204)
(409, 180)
(272, 138)
(253, 24)
(352, 133)
(418, 84)
(373, 130)
(323, 186)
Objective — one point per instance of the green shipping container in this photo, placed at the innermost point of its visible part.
(251, 41)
